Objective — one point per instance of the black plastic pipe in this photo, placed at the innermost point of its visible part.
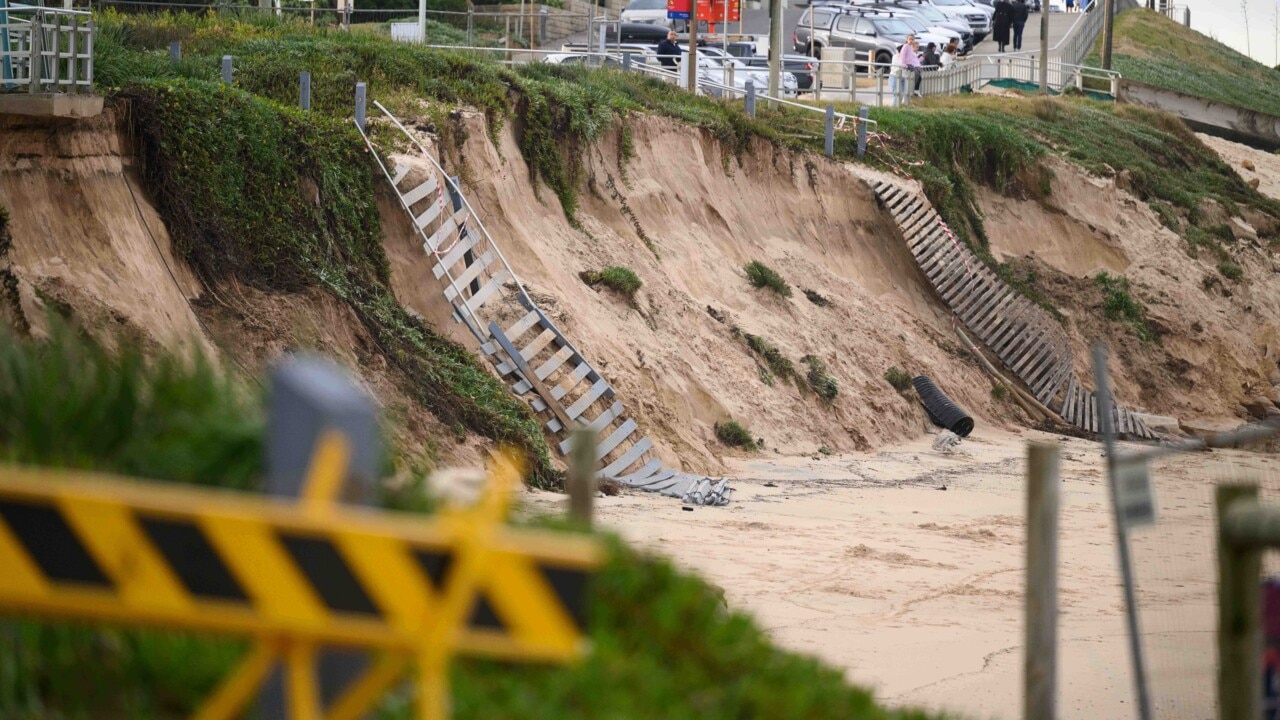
(942, 412)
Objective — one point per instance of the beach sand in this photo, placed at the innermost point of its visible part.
(866, 562)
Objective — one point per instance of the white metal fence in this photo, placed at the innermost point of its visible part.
(46, 49)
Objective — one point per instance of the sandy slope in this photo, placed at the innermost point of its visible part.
(79, 238)
(1220, 338)
(864, 561)
(676, 366)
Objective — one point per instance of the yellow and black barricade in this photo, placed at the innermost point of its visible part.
(296, 575)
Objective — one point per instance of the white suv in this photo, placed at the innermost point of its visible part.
(653, 12)
(977, 16)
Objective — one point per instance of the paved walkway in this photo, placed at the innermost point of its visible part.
(1059, 24)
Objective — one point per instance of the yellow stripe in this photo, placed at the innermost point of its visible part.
(110, 532)
(267, 573)
(392, 577)
(527, 604)
(328, 469)
(19, 574)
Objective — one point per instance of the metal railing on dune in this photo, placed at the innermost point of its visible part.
(46, 49)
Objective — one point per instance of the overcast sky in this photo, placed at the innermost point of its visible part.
(1224, 19)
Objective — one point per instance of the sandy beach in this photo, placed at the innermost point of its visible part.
(905, 568)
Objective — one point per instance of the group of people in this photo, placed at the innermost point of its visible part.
(1010, 16)
(909, 64)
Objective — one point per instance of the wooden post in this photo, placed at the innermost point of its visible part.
(1040, 674)
(1239, 616)
(581, 482)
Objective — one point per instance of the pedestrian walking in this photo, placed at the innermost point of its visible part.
(1019, 19)
(1071, 6)
(1001, 21)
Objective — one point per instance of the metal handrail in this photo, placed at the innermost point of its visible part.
(36, 54)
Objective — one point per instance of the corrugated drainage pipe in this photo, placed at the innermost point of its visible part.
(942, 412)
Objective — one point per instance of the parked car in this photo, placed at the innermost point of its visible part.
(651, 12)
(640, 52)
(573, 58)
(801, 66)
(866, 32)
(977, 16)
(934, 18)
(712, 68)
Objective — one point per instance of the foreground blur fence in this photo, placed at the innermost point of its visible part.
(1245, 528)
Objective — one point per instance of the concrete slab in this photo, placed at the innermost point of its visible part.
(50, 105)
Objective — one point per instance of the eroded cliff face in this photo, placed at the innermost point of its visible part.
(84, 236)
(687, 219)
(87, 242)
(1219, 338)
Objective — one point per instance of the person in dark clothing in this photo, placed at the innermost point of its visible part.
(1000, 22)
(669, 51)
(932, 60)
(1019, 18)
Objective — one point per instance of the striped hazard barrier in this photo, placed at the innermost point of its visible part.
(296, 575)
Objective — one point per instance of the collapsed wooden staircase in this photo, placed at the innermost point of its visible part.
(531, 354)
(1029, 342)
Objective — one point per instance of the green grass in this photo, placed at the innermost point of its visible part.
(822, 382)
(733, 434)
(71, 402)
(763, 276)
(999, 392)
(1152, 49)
(1231, 271)
(777, 362)
(1119, 305)
(621, 280)
(899, 379)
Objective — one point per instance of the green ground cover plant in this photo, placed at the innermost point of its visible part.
(621, 280)
(734, 434)
(822, 382)
(899, 379)
(1152, 49)
(1119, 304)
(763, 276)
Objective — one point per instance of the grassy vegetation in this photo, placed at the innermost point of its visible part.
(71, 402)
(822, 382)
(733, 434)
(779, 365)
(763, 276)
(621, 280)
(1231, 271)
(1152, 49)
(999, 392)
(899, 379)
(1118, 304)
(817, 298)
(663, 643)
(560, 110)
